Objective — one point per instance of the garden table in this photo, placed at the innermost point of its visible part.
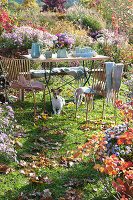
(70, 58)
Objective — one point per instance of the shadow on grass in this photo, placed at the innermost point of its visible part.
(62, 180)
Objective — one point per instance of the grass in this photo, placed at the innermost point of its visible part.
(52, 140)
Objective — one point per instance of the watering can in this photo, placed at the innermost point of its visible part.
(35, 50)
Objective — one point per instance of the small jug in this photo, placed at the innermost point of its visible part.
(35, 50)
(48, 54)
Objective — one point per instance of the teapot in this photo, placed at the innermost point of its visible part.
(35, 50)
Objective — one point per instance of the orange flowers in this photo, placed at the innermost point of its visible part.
(126, 110)
(123, 198)
(127, 137)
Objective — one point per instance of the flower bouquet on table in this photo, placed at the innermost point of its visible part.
(63, 44)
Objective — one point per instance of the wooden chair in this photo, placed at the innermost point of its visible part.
(98, 86)
(17, 74)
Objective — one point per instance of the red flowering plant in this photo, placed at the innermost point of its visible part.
(5, 21)
(112, 153)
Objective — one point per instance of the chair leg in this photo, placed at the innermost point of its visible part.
(92, 102)
(87, 100)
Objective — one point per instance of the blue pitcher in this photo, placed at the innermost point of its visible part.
(35, 50)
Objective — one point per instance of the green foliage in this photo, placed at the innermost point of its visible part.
(47, 19)
(86, 18)
(91, 22)
(29, 3)
(14, 6)
(120, 9)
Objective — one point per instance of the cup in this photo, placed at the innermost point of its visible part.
(77, 49)
(48, 54)
(88, 49)
(83, 50)
(29, 51)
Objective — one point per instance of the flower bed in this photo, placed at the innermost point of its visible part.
(112, 153)
(23, 37)
(7, 131)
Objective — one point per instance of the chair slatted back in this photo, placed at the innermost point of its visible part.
(99, 78)
(13, 68)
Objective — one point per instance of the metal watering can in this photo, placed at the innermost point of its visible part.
(35, 50)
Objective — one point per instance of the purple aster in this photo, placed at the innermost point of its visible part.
(117, 153)
(122, 152)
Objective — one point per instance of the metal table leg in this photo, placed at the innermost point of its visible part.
(47, 78)
(87, 81)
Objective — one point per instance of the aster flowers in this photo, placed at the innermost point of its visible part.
(120, 142)
(23, 37)
(64, 41)
(7, 131)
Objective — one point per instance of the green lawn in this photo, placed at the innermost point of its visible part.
(48, 145)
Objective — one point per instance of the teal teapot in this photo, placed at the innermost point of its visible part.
(35, 50)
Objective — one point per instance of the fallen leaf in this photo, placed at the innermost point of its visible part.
(44, 116)
(27, 172)
(40, 139)
(29, 156)
(47, 180)
(17, 143)
(4, 169)
(22, 163)
(37, 179)
(35, 148)
(24, 131)
(47, 194)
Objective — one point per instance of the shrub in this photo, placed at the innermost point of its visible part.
(107, 43)
(46, 18)
(30, 4)
(126, 54)
(85, 17)
(54, 5)
(5, 21)
(129, 82)
(91, 22)
(14, 6)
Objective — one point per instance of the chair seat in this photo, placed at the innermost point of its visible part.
(27, 85)
(37, 85)
(84, 90)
